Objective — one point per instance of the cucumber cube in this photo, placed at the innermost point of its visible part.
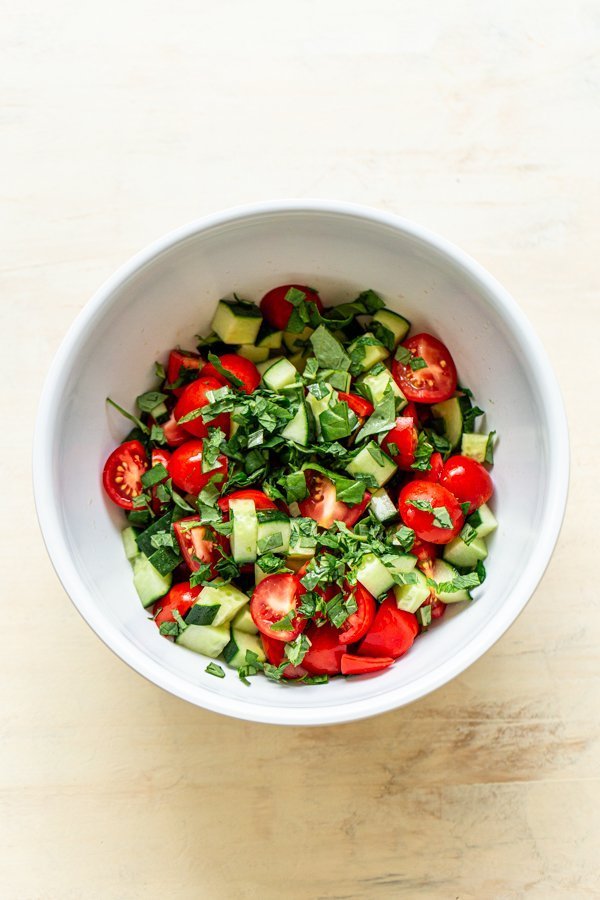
(236, 323)
(371, 460)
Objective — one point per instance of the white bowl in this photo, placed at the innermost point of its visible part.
(164, 296)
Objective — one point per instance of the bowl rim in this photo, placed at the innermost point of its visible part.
(57, 546)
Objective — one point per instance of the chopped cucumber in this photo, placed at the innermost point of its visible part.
(243, 621)
(280, 374)
(235, 651)
(149, 584)
(443, 571)
(383, 506)
(236, 323)
(450, 415)
(299, 428)
(410, 597)
(300, 552)
(217, 604)
(206, 639)
(483, 521)
(398, 325)
(371, 460)
(378, 578)
(465, 555)
(244, 535)
(317, 406)
(337, 378)
(368, 351)
(273, 531)
(269, 337)
(477, 446)
(128, 536)
(254, 354)
(295, 341)
(376, 385)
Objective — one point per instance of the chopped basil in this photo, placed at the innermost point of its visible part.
(143, 428)
(336, 421)
(328, 351)
(154, 475)
(150, 400)
(441, 516)
(284, 624)
(423, 615)
(171, 629)
(382, 419)
(225, 373)
(405, 537)
(489, 449)
(468, 533)
(297, 649)
(270, 542)
(215, 669)
(459, 583)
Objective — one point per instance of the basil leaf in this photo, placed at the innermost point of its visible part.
(214, 669)
(328, 351)
(150, 400)
(296, 650)
(384, 417)
(225, 373)
(143, 428)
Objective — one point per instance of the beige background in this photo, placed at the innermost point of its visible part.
(121, 120)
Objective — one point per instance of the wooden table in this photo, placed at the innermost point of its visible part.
(123, 120)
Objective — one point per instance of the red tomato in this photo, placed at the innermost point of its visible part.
(195, 397)
(185, 467)
(123, 472)
(239, 367)
(181, 597)
(438, 608)
(361, 407)
(404, 436)
(392, 633)
(274, 651)
(277, 310)
(322, 505)
(193, 544)
(433, 383)
(261, 501)
(356, 626)
(179, 362)
(432, 474)
(326, 651)
(410, 412)
(468, 481)
(273, 599)
(426, 553)
(362, 665)
(420, 520)
(175, 434)
(158, 456)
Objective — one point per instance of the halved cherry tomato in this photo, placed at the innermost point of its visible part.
(159, 455)
(362, 665)
(410, 412)
(273, 599)
(433, 474)
(356, 625)
(436, 381)
(261, 501)
(185, 467)
(274, 651)
(175, 434)
(195, 396)
(422, 521)
(181, 597)
(392, 633)
(405, 438)
(468, 481)
(426, 554)
(182, 364)
(438, 608)
(240, 368)
(277, 310)
(322, 505)
(326, 651)
(361, 407)
(194, 547)
(122, 474)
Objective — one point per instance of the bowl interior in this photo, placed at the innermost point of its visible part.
(167, 297)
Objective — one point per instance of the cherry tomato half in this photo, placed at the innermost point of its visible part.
(241, 368)
(359, 406)
(436, 381)
(274, 651)
(195, 396)
(322, 505)
(122, 475)
(392, 633)
(175, 434)
(326, 651)
(181, 597)
(273, 599)
(277, 310)
(433, 474)
(404, 438)
(362, 665)
(356, 625)
(426, 554)
(185, 467)
(421, 520)
(261, 501)
(182, 365)
(194, 547)
(468, 481)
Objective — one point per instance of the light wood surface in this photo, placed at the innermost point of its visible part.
(123, 120)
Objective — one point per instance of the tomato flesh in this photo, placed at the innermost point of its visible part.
(241, 368)
(359, 406)
(326, 651)
(194, 547)
(182, 364)
(181, 597)
(185, 467)
(392, 633)
(322, 505)
(195, 396)
(122, 474)
(362, 665)
(405, 438)
(433, 474)
(436, 381)
(468, 480)
(159, 456)
(273, 599)
(277, 310)
(175, 434)
(275, 651)
(356, 625)
(261, 501)
(421, 520)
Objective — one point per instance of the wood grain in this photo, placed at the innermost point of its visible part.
(122, 120)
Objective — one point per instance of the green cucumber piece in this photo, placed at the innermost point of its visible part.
(378, 578)
(337, 378)
(273, 531)
(206, 639)
(317, 406)
(383, 507)
(374, 351)
(234, 653)
(410, 597)
(149, 584)
(217, 604)
(483, 521)
(397, 324)
(279, 374)
(443, 571)
(128, 536)
(295, 341)
(269, 337)
(243, 621)
(371, 460)
(299, 428)
(236, 323)
(144, 539)
(254, 354)
(376, 385)
(244, 535)
(465, 555)
(477, 446)
(449, 414)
